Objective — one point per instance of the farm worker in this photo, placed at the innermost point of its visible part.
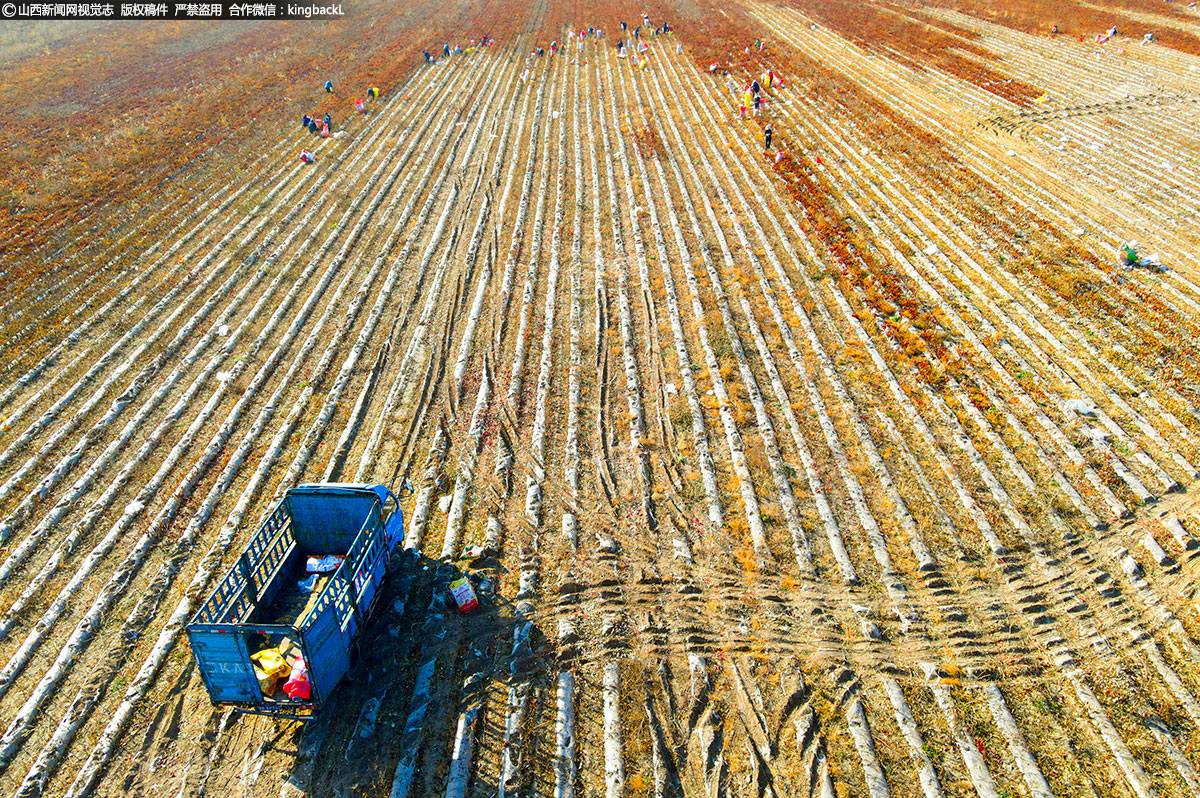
(757, 104)
(307, 157)
(754, 87)
(742, 111)
(1053, 30)
(748, 99)
(360, 105)
(329, 87)
(758, 43)
(624, 26)
(635, 31)
(427, 55)
(779, 157)
(712, 68)
(1149, 37)
(768, 78)
(553, 48)
(1128, 254)
(312, 126)
(446, 49)
(642, 65)
(325, 130)
(373, 93)
(541, 51)
(305, 120)
(767, 137)
(328, 121)
(678, 48)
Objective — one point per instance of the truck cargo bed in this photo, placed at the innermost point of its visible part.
(259, 603)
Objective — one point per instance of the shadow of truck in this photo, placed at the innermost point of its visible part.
(420, 680)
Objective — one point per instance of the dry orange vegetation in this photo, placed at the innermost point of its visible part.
(853, 466)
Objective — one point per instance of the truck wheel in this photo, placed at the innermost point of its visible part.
(356, 662)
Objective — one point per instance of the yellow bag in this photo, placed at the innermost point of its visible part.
(267, 682)
(270, 662)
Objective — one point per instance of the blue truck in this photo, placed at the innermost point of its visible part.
(301, 590)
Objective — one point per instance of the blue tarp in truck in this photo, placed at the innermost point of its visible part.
(270, 599)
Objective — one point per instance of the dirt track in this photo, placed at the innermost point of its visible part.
(863, 471)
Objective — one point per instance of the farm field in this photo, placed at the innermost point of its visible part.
(855, 466)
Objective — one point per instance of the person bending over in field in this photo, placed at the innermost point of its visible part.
(329, 87)
(767, 137)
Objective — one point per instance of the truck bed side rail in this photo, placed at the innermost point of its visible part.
(230, 600)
